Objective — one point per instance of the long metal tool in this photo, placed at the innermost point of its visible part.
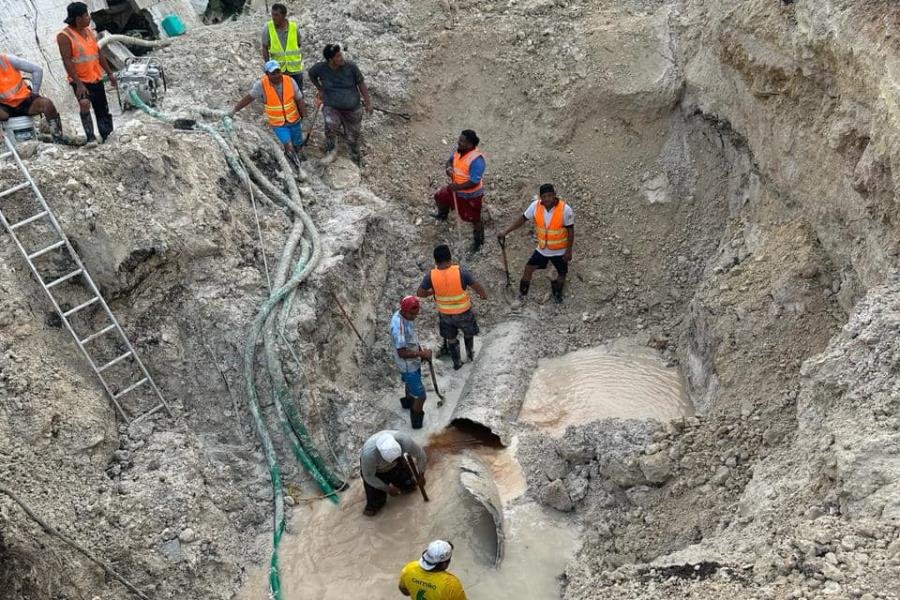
(505, 262)
(434, 381)
(414, 471)
(403, 115)
(459, 223)
(80, 272)
(347, 317)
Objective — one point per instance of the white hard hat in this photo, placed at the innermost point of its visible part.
(388, 447)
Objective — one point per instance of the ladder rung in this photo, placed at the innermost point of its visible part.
(80, 306)
(15, 189)
(63, 278)
(34, 255)
(43, 213)
(94, 336)
(130, 387)
(114, 361)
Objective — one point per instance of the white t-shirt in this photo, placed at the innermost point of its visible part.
(568, 221)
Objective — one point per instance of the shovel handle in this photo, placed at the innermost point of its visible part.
(411, 465)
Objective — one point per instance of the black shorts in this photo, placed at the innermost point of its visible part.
(22, 109)
(450, 325)
(539, 261)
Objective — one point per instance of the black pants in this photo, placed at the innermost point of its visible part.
(97, 96)
(399, 476)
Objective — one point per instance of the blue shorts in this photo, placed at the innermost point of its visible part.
(413, 381)
(290, 134)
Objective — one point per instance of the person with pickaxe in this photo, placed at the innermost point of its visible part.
(554, 228)
(447, 282)
(390, 464)
(465, 192)
(408, 355)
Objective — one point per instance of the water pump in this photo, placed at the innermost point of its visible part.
(146, 77)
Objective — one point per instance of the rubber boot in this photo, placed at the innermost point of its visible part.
(454, 354)
(470, 348)
(406, 402)
(356, 155)
(105, 126)
(444, 350)
(557, 287)
(523, 290)
(442, 213)
(88, 123)
(416, 418)
(477, 238)
(56, 132)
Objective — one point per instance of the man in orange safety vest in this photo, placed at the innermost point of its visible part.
(465, 191)
(283, 102)
(554, 228)
(447, 282)
(18, 100)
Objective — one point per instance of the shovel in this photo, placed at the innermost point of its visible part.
(411, 465)
(403, 115)
(434, 381)
(505, 262)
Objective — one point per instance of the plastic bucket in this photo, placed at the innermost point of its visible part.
(172, 25)
(20, 129)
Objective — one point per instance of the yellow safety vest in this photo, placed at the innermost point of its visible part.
(290, 58)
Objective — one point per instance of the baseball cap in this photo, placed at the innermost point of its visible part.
(437, 552)
(271, 66)
(388, 447)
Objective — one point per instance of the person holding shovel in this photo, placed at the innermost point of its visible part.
(465, 192)
(384, 469)
(447, 283)
(554, 228)
(408, 355)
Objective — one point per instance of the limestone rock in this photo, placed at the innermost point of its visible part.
(657, 468)
(555, 495)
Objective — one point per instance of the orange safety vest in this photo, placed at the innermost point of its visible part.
(461, 166)
(280, 110)
(85, 56)
(12, 87)
(552, 236)
(449, 295)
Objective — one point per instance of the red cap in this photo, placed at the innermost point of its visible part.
(409, 303)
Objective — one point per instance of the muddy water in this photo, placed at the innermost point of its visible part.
(336, 552)
(619, 380)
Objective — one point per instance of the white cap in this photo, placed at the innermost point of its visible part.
(437, 552)
(388, 447)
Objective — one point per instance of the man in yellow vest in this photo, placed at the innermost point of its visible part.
(85, 65)
(428, 578)
(17, 100)
(284, 108)
(281, 42)
(465, 167)
(447, 283)
(554, 228)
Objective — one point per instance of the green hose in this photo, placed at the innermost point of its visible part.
(300, 441)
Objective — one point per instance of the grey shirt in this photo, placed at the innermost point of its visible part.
(37, 73)
(339, 86)
(371, 463)
(256, 90)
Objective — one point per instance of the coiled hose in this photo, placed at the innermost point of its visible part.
(268, 320)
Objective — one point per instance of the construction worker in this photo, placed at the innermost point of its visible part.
(408, 355)
(17, 100)
(447, 282)
(283, 101)
(85, 66)
(428, 578)
(384, 470)
(554, 228)
(340, 86)
(465, 167)
(281, 42)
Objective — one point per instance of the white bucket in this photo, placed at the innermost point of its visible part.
(20, 129)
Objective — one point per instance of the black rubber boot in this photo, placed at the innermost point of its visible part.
(454, 354)
(88, 123)
(441, 214)
(477, 238)
(406, 402)
(416, 418)
(105, 126)
(523, 289)
(470, 348)
(557, 288)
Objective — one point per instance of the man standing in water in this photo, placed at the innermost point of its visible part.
(384, 470)
(428, 578)
(409, 356)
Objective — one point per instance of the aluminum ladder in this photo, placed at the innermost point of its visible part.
(62, 242)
